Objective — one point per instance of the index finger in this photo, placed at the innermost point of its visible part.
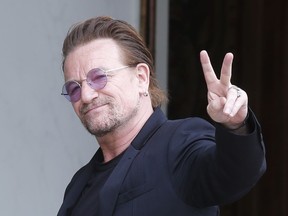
(208, 71)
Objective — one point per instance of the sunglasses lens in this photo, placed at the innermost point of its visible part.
(96, 78)
(72, 91)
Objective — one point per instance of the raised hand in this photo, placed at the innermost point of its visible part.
(227, 103)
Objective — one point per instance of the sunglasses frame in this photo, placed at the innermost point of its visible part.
(105, 72)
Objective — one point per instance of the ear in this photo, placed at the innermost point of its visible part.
(143, 75)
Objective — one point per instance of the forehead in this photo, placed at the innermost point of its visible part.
(103, 53)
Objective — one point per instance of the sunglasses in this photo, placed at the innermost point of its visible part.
(96, 79)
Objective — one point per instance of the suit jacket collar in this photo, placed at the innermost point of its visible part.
(149, 128)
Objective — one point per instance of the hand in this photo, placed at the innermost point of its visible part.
(227, 104)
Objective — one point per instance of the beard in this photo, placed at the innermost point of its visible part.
(108, 120)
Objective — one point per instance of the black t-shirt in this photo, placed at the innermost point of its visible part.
(86, 204)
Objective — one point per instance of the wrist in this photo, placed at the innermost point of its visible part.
(240, 126)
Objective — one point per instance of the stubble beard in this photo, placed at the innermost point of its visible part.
(109, 120)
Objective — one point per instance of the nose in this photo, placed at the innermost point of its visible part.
(87, 93)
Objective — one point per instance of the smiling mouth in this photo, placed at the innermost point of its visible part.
(92, 108)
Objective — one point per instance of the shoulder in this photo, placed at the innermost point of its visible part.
(83, 173)
(75, 179)
(190, 126)
(186, 135)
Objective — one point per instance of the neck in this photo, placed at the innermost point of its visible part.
(116, 142)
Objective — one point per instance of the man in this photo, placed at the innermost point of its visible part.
(146, 164)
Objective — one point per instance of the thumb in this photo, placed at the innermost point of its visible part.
(215, 108)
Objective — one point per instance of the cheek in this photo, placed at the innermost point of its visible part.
(125, 92)
(133, 89)
(131, 98)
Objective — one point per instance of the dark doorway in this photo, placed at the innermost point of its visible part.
(257, 33)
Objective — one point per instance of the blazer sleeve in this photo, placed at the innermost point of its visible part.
(212, 165)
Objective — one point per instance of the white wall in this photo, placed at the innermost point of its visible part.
(162, 46)
(42, 142)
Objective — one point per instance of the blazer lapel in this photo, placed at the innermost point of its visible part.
(109, 193)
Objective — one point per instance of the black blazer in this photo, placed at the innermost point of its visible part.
(176, 168)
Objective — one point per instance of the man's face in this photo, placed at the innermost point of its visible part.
(116, 105)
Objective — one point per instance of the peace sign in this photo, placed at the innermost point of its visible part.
(227, 104)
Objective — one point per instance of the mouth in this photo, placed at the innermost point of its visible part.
(86, 110)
